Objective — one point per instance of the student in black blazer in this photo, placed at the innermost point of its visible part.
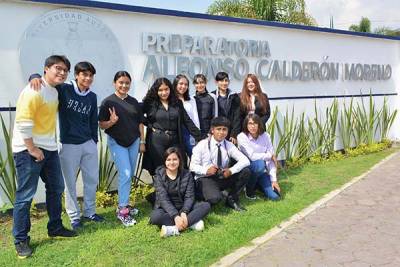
(253, 100)
(165, 115)
(206, 103)
(228, 105)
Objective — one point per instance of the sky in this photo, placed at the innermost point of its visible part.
(344, 12)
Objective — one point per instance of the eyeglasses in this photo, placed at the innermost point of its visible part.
(60, 69)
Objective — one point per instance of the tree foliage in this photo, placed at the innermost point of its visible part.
(387, 31)
(363, 26)
(288, 11)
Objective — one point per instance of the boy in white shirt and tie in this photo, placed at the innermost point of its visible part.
(213, 173)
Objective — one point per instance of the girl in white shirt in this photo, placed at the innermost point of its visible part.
(181, 88)
(256, 144)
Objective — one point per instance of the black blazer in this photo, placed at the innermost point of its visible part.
(233, 105)
(264, 116)
(150, 109)
(186, 192)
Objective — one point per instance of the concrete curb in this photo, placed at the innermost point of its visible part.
(256, 242)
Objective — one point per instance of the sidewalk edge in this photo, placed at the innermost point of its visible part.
(256, 242)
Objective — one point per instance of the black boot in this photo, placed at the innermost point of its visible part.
(231, 203)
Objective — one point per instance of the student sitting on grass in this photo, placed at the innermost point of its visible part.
(175, 209)
(256, 144)
(211, 164)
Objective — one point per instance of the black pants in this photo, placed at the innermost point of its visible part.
(156, 144)
(211, 186)
(199, 211)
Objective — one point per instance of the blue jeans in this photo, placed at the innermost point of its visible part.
(186, 140)
(260, 177)
(125, 159)
(28, 172)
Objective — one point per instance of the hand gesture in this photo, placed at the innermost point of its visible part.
(275, 185)
(142, 148)
(37, 153)
(185, 220)
(36, 84)
(233, 140)
(113, 116)
(212, 170)
(227, 172)
(179, 223)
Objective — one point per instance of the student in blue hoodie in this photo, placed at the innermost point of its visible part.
(78, 136)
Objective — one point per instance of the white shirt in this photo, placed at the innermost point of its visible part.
(205, 155)
(259, 149)
(191, 109)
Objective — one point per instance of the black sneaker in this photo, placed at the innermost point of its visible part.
(62, 232)
(231, 203)
(250, 194)
(77, 224)
(23, 249)
(94, 218)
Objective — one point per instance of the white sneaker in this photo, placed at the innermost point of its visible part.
(169, 231)
(124, 216)
(199, 226)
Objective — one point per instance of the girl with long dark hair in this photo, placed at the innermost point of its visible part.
(175, 209)
(165, 115)
(181, 88)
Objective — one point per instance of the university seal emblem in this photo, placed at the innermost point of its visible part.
(78, 35)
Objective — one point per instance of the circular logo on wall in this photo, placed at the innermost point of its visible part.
(78, 35)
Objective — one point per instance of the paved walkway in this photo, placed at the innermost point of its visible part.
(359, 227)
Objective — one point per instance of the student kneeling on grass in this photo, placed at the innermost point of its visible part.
(256, 144)
(211, 163)
(175, 209)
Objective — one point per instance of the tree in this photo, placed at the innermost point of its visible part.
(387, 31)
(231, 8)
(363, 26)
(288, 11)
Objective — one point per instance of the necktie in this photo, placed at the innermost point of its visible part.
(219, 156)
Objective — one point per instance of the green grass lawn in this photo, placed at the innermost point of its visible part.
(111, 244)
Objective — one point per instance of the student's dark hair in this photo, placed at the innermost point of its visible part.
(199, 76)
(220, 121)
(84, 66)
(177, 151)
(120, 74)
(152, 93)
(221, 76)
(256, 119)
(186, 95)
(54, 59)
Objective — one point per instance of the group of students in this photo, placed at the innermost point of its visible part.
(220, 133)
